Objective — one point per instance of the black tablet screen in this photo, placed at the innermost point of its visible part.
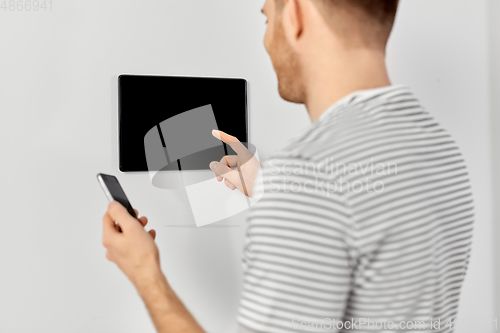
(147, 101)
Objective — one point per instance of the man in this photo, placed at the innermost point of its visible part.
(366, 217)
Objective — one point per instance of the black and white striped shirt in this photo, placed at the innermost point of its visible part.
(365, 223)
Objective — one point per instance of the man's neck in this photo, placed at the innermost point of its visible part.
(328, 81)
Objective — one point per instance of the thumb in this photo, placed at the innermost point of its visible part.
(119, 214)
(222, 170)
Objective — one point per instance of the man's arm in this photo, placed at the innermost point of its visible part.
(136, 254)
(167, 311)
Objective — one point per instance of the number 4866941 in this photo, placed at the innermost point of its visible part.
(26, 5)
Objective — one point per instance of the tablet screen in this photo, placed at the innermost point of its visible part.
(147, 101)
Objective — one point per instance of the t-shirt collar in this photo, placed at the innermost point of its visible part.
(359, 96)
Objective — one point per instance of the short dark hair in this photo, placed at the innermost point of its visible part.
(365, 22)
(381, 11)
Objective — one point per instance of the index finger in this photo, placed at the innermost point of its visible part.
(237, 146)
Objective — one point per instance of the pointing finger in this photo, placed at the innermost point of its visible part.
(237, 146)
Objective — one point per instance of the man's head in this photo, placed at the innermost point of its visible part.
(299, 30)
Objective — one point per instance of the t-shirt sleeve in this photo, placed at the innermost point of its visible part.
(298, 252)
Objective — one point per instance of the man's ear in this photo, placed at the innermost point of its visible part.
(292, 20)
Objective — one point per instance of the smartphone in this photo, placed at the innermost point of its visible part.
(114, 191)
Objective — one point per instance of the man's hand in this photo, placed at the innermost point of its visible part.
(136, 254)
(239, 171)
(133, 249)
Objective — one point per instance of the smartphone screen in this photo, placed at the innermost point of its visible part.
(114, 191)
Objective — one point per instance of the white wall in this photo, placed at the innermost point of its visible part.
(440, 49)
(58, 101)
(494, 30)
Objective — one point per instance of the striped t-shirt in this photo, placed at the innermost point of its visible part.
(365, 223)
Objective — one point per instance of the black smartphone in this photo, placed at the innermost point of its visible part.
(114, 191)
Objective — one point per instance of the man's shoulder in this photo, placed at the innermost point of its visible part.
(326, 133)
(357, 130)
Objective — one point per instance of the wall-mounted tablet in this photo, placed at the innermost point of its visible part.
(147, 101)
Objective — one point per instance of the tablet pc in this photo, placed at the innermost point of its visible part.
(145, 101)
